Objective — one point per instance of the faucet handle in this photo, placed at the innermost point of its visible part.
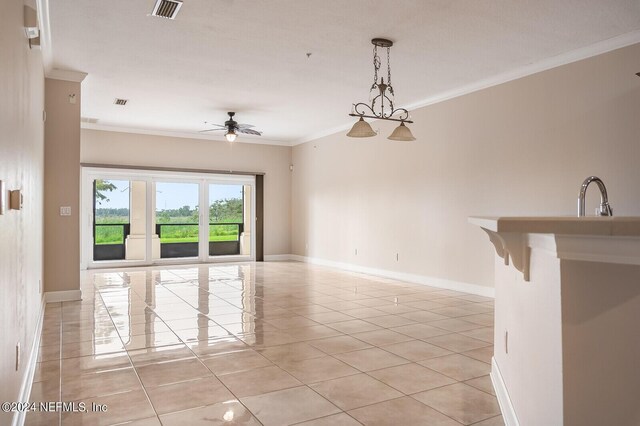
(604, 210)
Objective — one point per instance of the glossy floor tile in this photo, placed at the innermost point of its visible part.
(273, 343)
(461, 402)
(355, 391)
(405, 410)
(289, 406)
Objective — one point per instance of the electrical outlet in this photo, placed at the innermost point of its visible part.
(17, 356)
(65, 211)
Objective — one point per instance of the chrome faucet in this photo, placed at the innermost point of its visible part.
(605, 208)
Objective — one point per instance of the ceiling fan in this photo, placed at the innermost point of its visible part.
(233, 128)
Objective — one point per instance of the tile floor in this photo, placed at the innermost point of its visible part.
(267, 343)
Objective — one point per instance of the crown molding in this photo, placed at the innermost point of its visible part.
(586, 52)
(182, 135)
(66, 75)
(322, 134)
(566, 58)
(46, 47)
(45, 34)
(543, 65)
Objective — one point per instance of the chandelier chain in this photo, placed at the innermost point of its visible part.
(376, 67)
(389, 70)
(381, 101)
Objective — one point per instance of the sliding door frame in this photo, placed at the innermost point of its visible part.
(151, 176)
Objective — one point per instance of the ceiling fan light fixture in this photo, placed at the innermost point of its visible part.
(402, 133)
(231, 135)
(361, 129)
(232, 128)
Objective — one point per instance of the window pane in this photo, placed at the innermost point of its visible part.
(226, 219)
(177, 218)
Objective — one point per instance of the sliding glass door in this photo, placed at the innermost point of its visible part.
(228, 227)
(143, 218)
(177, 219)
(119, 218)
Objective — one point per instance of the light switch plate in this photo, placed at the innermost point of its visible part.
(15, 199)
(65, 211)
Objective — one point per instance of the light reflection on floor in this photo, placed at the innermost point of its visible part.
(266, 343)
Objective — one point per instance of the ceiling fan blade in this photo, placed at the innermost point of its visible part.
(245, 126)
(211, 130)
(213, 124)
(249, 132)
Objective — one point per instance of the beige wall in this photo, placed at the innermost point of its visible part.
(130, 149)
(62, 186)
(520, 148)
(21, 167)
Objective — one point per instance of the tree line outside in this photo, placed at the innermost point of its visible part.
(220, 212)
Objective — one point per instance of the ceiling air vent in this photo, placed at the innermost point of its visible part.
(166, 8)
(119, 101)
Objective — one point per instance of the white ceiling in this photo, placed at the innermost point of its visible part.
(250, 56)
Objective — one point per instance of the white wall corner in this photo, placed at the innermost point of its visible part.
(506, 407)
(479, 290)
(62, 296)
(30, 370)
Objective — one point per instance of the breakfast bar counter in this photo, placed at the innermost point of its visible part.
(567, 319)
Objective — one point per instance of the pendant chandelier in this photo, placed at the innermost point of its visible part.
(381, 96)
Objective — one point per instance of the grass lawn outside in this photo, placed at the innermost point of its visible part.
(212, 238)
(170, 234)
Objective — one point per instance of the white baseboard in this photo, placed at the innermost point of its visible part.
(30, 370)
(400, 276)
(508, 412)
(62, 296)
(277, 257)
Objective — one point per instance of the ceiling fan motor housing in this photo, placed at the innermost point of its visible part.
(231, 124)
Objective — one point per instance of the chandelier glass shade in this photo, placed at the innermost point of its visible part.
(402, 133)
(381, 102)
(361, 129)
